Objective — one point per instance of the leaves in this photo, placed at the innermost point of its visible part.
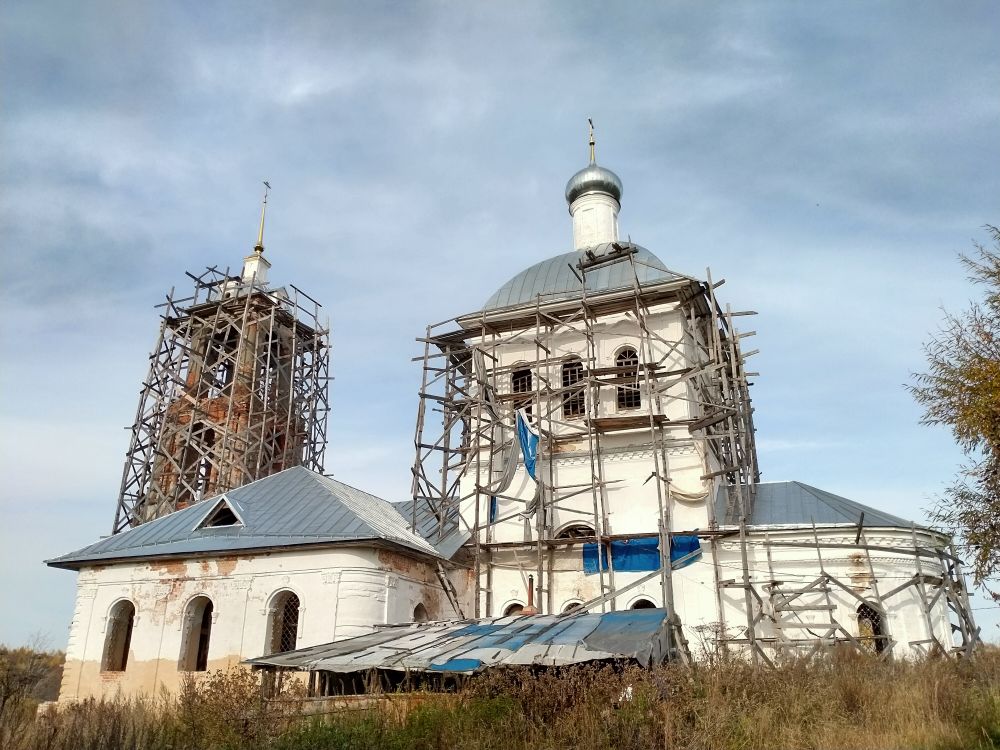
(961, 389)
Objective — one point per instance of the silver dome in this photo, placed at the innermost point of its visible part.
(593, 179)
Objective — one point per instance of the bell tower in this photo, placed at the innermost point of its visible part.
(236, 390)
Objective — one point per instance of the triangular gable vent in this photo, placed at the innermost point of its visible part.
(223, 515)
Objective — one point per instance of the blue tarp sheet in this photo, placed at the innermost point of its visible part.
(636, 555)
(529, 442)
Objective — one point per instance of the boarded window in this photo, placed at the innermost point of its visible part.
(285, 623)
(119, 637)
(627, 362)
(574, 400)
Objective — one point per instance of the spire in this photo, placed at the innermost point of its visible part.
(255, 265)
(594, 197)
(259, 247)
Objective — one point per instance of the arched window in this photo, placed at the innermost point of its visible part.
(119, 637)
(573, 401)
(642, 604)
(576, 531)
(420, 613)
(513, 609)
(870, 631)
(571, 607)
(284, 622)
(627, 362)
(521, 382)
(197, 635)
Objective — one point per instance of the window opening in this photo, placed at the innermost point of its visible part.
(420, 613)
(576, 531)
(513, 609)
(198, 624)
(629, 396)
(870, 631)
(642, 604)
(285, 626)
(521, 382)
(119, 638)
(574, 401)
(222, 516)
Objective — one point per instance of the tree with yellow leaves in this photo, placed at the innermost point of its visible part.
(961, 389)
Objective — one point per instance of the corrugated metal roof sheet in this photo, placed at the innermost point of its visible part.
(470, 646)
(795, 503)
(553, 279)
(293, 507)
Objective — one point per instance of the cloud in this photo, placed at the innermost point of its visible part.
(418, 154)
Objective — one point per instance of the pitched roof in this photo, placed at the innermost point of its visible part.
(469, 646)
(795, 503)
(446, 537)
(294, 507)
(553, 279)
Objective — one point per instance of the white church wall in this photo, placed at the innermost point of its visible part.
(697, 598)
(342, 592)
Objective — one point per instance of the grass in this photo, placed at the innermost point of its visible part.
(842, 703)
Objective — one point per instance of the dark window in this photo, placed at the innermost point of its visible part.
(572, 607)
(197, 635)
(285, 623)
(204, 636)
(643, 604)
(513, 609)
(223, 515)
(627, 363)
(576, 531)
(420, 613)
(574, 401)
(870, 631)
(119, 637)
(520, 382)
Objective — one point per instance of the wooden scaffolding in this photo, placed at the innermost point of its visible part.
(237, 389)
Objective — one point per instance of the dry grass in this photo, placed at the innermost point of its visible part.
(844, 703)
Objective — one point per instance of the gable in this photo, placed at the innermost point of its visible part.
(220, 515)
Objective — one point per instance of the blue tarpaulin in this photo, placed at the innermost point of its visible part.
(529, 442)
(635, 555)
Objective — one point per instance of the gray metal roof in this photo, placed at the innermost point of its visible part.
(291, 508)
(795, 503)
(446, 537)
(553, 279)
(469, 646)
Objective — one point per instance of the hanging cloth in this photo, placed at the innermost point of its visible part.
(528, 437)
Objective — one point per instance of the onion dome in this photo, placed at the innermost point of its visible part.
(593, 179)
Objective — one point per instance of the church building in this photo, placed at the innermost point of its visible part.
(585, 465)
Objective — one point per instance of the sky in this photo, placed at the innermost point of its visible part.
(829, 160)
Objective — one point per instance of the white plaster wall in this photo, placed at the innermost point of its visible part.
(342, 592)
(595, 220)
(697, 601)
(632, 502)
